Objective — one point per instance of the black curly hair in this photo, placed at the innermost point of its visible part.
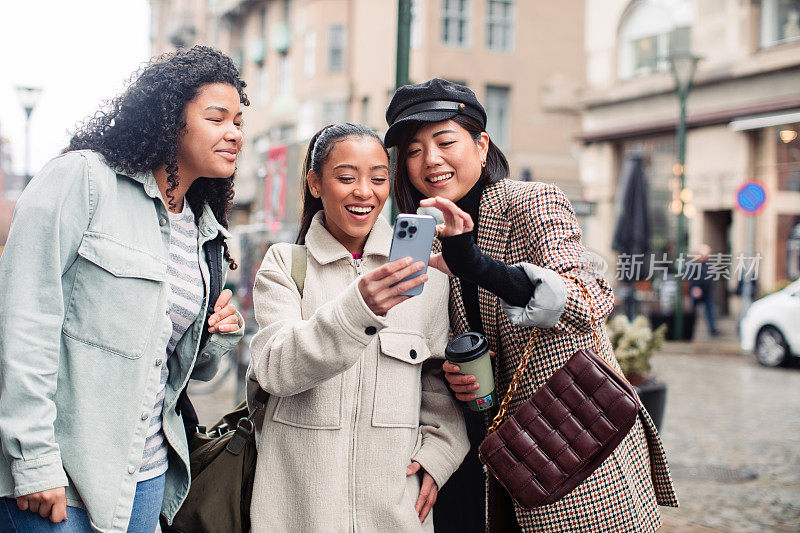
(138, 131)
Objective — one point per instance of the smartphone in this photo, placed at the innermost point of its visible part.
(413, 237)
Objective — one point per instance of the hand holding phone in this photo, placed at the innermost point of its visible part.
(379, 289)
(413, 237)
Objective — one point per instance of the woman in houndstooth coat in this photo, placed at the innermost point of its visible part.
(515, 257)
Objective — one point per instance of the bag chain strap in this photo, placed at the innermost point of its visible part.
(523, 366)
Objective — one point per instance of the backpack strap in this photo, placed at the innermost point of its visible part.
(256, 396)
(299, 266)
(213, 251)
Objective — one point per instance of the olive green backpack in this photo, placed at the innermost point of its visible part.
(223, 458)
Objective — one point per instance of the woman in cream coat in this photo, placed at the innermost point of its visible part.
(360, 430)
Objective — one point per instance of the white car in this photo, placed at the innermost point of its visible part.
(771, 326)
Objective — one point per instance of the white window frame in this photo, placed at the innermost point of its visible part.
(281, 133)
(306, 123)
(651, 19)
(456, 15)
(285, 75)
(309, 54)
(262, 85)
(334, 111)
(417, 24)
(337, 44)
(500, 25)
(770, 24)
(498, 115)
(366, 109)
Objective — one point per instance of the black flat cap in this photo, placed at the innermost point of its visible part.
(432, 101)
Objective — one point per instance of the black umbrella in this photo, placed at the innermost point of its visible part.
(632, 230)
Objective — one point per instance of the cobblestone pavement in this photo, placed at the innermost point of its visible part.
(732, 434)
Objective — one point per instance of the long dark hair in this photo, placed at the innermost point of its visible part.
(407, 196)
(138, 131)
(319, 150)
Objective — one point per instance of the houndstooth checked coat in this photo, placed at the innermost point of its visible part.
(534, 222)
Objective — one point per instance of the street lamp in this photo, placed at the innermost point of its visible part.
(401, 77)
(28, 96)
(683, 67)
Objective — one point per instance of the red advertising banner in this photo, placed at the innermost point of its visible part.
(275, 186)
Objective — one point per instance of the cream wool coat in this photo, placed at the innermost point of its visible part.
(354, 397)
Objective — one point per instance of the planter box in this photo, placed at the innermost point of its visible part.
(654, 398)
(656, 319)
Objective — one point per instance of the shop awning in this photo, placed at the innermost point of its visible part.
(755, 122)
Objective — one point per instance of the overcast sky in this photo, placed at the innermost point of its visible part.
(79, 51)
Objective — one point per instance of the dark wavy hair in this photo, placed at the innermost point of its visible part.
(139, 130)
(407, 196)
(319, 150)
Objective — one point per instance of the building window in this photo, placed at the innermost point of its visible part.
(788, 142)
(262, 86)
(280, 134)
(305, 120)
(416, 25)
(285, 80)
(780, 21)
(309, 54)
(649, 33)
(365, 110)
(334, 112)
(237, 55)
(260, 147)
(787, 258)
(499, 25)
(498, 120)
(455, 23)
(336, 46)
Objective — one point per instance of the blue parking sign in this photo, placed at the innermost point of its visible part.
(751, 197)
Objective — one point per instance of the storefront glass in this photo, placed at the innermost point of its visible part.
(788, 141)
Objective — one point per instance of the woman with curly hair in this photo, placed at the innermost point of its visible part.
(105, 280)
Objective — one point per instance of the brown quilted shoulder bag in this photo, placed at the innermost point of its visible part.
(565, 431)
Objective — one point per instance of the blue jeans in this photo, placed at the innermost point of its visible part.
(707, 299)
(144, 515)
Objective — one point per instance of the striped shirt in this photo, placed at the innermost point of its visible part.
(186, 291)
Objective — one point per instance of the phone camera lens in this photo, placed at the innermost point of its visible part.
(404, 223)
(412, 229)
(401, 234)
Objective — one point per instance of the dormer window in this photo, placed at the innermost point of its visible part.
(650, 31)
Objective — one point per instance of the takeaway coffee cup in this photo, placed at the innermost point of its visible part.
(470, 351)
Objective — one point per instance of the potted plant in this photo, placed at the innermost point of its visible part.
(634, 342)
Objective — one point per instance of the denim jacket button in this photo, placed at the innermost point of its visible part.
(145, 416)
(131, 470)
(159, 361)
(163, 221)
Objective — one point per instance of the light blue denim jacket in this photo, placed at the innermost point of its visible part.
(84, 324)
